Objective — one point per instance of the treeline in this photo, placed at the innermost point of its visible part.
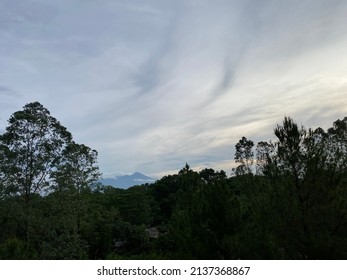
(286, 199)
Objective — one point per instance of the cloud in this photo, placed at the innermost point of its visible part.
(8, 97)
(8, 94)
(154, 85)
(5, 91)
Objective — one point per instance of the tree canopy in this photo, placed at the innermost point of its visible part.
(286, 199)
(36, 153)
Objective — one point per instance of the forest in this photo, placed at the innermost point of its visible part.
(285, 199)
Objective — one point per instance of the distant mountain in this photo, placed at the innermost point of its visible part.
(126, 181)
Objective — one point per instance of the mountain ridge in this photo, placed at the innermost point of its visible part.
(127, 181)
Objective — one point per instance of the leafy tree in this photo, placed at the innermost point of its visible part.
(73, 178)
(337, 146)
(265, 157)
(77, 171)
(290, 147)
(208, 175)
(38, 157)
(311, 183)
(163, 192)
(31, 150)
(203, 217)
(244, 156)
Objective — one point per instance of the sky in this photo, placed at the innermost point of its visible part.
(154, 84)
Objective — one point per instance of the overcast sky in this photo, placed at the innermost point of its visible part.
(152, 85)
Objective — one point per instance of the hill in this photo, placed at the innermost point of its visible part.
(126, 181)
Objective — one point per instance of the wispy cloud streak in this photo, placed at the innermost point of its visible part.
(152, 85)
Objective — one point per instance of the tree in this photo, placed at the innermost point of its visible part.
(208, 175)
(337, 146)
(31, 150)
(290, 147)
(244, 155)
(38, 157)
(78, 168)
(265, 157)
(312, 176)
(77, 172)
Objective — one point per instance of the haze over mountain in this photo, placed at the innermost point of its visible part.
(126, 181)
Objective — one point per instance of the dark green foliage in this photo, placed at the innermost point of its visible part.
(31, 148)
(307, 173)
(13, 249)
(244, 156)
(39, 157)
(286, 200)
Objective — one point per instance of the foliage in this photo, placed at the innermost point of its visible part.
(31, 150)
(244, 155)
(286, 200)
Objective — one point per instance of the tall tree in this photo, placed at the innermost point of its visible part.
(244, 156)
(77, 172)
(78, 168)
(31, 150)
(312, 168)
(265, 157)
(337, 143)
(290, 147)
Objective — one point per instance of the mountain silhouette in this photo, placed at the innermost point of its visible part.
(126, 181)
